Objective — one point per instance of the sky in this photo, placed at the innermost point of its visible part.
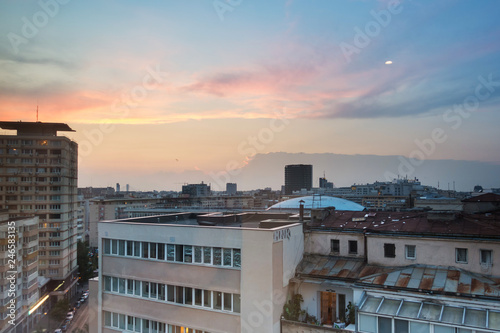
(203, 86)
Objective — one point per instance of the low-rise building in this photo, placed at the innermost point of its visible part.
(226, 274)
(402, 272)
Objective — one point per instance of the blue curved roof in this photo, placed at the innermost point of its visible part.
(318, 201)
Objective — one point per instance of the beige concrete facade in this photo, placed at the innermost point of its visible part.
(436, 251)
(19, 258)
(256, 287)
(38, 176)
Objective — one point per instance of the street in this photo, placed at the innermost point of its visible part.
(81, 317)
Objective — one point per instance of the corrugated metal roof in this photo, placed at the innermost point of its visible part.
(420, 278)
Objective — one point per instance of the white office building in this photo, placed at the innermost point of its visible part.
(226, 274)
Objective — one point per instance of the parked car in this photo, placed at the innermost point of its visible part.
(64, 327)
(69, 316)
(58, 330)
(78, 304)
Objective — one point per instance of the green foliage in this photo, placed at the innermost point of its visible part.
(83, 261)
(291, 309)
(351, 314)
(58, 312)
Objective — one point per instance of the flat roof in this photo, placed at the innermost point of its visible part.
(35, 127)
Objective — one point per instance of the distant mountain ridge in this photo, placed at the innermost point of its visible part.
(267, 170)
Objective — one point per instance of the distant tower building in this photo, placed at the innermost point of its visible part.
(298, 177)
(117, 187)
(128, 188)
(196, 190)
(231, 188)
(324, 183)
(38, 177)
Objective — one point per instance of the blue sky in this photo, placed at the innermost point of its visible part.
(202, 77)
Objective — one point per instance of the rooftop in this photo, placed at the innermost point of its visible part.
(487, 197)
(417, 278)
(35, 128)
(475, 225)
(317, 201)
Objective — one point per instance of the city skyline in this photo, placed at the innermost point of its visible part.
(192, 87)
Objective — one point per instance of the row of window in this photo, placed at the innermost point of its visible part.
(214, 256)
(40, 142)
(31, 170)
(128, 323)
(376, 324)
(36, 179)
(461, 254)
(13, 189)
(209, 299)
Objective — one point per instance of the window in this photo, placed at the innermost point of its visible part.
(130, 286)
(353, 247)
(145, 250)
(389, 250)
(145, 289)
(217, 300)
(237, 258)
(486, 257)
(188, 253)
(152, 249)
(179, 295)
(207, 298)
(411, 252)
(161, 251)
(121, 247)
(227, 301)
(227, 256)
(207, 255)
(106, 246)
(161, 291)
(334, 246)
(170, 293)
(179, 252)
(170, 252)
(217, 256)
(461, 255)
(130, 248)
(197, 297)
(137, 249)
(188, 296)
(197, 254)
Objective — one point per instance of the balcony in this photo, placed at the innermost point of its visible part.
(288, 326)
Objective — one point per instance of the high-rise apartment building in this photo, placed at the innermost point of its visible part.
(18, 273)
(38, 177)
(298, 177)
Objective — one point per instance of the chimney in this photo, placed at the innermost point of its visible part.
(301, 210)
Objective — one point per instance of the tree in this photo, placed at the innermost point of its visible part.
(58, 312)
(82, 258)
